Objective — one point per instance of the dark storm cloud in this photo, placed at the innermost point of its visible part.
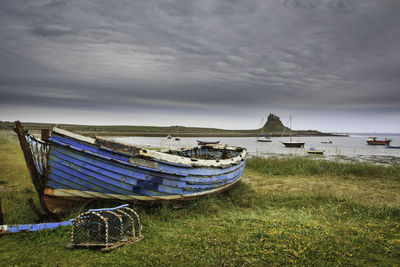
(166, 55)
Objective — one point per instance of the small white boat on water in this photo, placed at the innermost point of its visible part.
(264, 138)
(326, 142)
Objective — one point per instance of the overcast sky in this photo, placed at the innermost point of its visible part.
(334, 65)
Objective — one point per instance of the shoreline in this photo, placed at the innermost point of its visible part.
(158, 134)
(160, 131)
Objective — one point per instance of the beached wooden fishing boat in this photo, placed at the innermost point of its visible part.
(70, 168)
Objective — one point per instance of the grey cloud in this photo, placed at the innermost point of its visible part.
(289, 54)
(51, 30)
(335, 5)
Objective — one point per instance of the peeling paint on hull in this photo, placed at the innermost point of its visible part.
(80, 169)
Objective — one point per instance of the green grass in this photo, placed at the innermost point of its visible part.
(284, 211)
(299, 166)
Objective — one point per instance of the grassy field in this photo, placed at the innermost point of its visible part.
(284, 211)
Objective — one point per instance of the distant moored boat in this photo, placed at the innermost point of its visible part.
(177, 138)
(374, 141)
(393, 147)
(202, 143)
(313, 150)
(292, 143)
(264, 138)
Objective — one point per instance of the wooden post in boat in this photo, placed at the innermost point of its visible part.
(37, 179)
(45, 135)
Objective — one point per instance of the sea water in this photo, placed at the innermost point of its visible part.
(351, 148)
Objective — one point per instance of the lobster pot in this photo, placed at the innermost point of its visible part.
(132, 227)
(107, 228)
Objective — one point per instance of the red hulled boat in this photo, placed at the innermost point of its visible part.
(374, 141)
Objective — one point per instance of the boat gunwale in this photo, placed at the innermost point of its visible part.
(168, 158)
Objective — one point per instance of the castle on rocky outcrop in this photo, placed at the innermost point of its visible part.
(274, 124)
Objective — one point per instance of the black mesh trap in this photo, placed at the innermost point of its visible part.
(106, 228)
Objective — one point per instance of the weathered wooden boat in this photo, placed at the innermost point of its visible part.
(202, 143)
(313, 150)
(374, 141)
(70, 168)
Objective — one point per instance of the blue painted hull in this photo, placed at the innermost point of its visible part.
(81, 171)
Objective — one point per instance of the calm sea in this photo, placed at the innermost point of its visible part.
(352, 148)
